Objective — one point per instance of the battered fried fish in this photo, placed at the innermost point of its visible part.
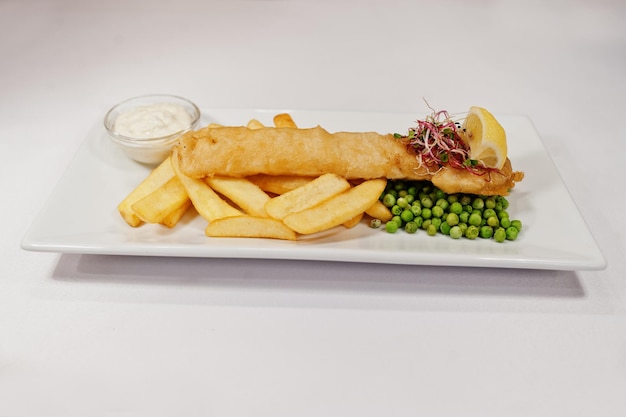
(242, 152)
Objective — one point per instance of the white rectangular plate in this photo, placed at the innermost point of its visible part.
(81, 216)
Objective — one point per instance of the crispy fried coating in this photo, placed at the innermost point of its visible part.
(243, 152)
(450, 180)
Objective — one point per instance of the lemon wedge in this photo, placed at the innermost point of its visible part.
(485, 137)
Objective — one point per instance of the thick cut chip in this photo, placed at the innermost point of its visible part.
(174, 217)
(353, 221)
(254, 124)
(307, 196)
(157, 205)
(284, 120)
(241, 191)
(206, 201)
(338, 209)
(379, 211)
(279, 184)
(157, 177)
(250, 226)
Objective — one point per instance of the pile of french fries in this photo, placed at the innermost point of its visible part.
(261, 206)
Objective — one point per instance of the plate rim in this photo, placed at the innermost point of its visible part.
(32, 242)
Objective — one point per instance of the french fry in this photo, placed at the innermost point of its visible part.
(174, 217)
(157, 177)
(379, 211)
(320, 189)
(254, 124)
(250, 226)
(157, 205)
(284, 120)
(353, 221)
(279, 184)
(338, 209)
(241, 191)
(241, 207)
(206, 201)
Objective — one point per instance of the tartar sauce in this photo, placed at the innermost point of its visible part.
(152, 121)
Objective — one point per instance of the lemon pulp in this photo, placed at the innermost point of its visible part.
(485, 137)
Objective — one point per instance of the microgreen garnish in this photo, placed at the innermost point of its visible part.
(437, 142)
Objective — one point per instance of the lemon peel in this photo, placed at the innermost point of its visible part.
(486, 138)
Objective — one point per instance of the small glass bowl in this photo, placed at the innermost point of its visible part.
(152, 150)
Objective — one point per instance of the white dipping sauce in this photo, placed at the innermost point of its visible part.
(152, 121)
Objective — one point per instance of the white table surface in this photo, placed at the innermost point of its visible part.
(88, 335)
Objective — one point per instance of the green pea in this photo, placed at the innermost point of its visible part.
(443, 203)
(475, 219)
(478, 203)
(445, 228)
(464, 217)
(517, 224)
(389, 200)
(401, 201)
(432, 230)
(471, 232)
(499, 235)
(399, 185)
(436, 221)
(490, 202)
(452, 219)
(391, 227)
(456, 207)
(486, 232)
(396, 210)
(453, 198)
(493, 221)
(511, 233)
(410, 227)
(465, 200)
(426, 213)
(407, 215)
(397, 219)
(456, 232)
(375, 223)
(505, 222)
(426, 202)
(426, 224)
(489, 213)
(418, 221)
(437, 211)
(416, 210)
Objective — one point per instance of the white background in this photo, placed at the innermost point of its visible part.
(123, 336)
